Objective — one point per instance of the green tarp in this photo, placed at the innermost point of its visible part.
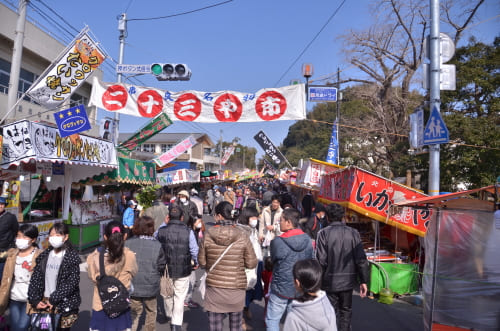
(129, 171)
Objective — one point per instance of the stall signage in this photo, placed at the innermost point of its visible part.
(153, 127)
(67, 72)
(372, 195)
(271, 150)
(72, 120)
(135, 171)
(26, 140)
(58, 168)
(178, 176)
(227, 155)
(175, 151)
(313, 170)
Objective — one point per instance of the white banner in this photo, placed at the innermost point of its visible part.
(178, 176)
(285, 103)
(67, 72)
(175, 151)
(227, 154)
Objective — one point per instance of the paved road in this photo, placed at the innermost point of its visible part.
(368, 314)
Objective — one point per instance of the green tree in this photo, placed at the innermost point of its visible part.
(472, 115)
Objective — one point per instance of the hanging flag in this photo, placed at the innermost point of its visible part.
(72, 120)
(333, 149)
(227, 154)
(67, 72)
(271, 150)
(285, 103)
(153, 127)
(269, 167)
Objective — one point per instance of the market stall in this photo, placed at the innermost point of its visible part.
(367, 197)
(461, 280)
(93, 213)
(37, 152)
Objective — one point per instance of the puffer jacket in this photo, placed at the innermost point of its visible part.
(66, 298)
(340, 252)
(290, 247)
(8, 276)
(230, 271)
(124, 270)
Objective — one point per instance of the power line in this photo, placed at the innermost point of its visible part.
(58, 16)
(310, 43)
(179, 14)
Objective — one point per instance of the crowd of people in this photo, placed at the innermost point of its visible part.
(261, 243)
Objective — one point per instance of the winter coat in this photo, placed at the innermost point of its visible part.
(312, 226)
(265, 220)
(8, 276)
(66, 298)
(124, 270)
(230, 271)
(174, 239)
(230, 196)
(128, 217)
(190, 212)
(314, 315)
(150, 263)
(290, 247)
(158, 212)
(8, 233)
(340, 252)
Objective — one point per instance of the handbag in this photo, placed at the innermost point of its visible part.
(251, 277)
(166, 285)
(44, 322)
(203, 279)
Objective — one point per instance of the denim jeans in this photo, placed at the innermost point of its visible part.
(19, 320)
(276, 307)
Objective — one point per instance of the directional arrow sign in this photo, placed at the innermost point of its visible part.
(436, 131)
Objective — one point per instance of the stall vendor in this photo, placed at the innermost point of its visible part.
(8, 232)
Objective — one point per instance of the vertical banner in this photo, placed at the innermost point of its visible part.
(227, 154)
(333, 149)
(270, 168)
(67, 72)
(271, 150)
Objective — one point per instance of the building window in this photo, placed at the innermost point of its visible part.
(76, 100)
(164, 148)
(148, 148)
(207, 151)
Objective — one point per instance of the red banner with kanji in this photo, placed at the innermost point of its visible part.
(372, 195)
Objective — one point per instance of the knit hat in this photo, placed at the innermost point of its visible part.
(184, 193)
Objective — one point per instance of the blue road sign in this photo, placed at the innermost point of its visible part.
(72, 120)
(324, 93)
(436, 131)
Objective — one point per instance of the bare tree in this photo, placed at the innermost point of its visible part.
(388, 54)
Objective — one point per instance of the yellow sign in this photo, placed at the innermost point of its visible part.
(13, 191)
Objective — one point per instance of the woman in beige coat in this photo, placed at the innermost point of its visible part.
(227, 282)
(16, 276)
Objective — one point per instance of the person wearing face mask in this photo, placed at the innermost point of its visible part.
(316, 222)
(248, 220)
(189, 208)
(229, 195)
(17, 274)
(55, 283)
(218, 198)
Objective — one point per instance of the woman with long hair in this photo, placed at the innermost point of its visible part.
(227, 281)
(55, 283)
(16, 276)
(119, 262)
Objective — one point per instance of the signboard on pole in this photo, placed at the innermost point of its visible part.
(72, 120)
(417, 129)
(133, 68)
(271, 150)
(322, 93)
(436, 131)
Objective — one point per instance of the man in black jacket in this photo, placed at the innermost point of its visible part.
(340, 252)
(180, 247)
(8, 232)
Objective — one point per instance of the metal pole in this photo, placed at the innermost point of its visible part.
(122, 27)
(434, 93)
(220, 151)
(17, 54)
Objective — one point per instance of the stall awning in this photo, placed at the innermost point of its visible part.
(372, 195)
(129, 171)
(311, 172)
(24, 141)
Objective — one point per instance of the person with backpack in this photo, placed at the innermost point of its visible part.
(16, 277)
(119, 262)
(151, 263)
(55, 282)
(311, 309)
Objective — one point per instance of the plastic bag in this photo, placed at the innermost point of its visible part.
(203, 285)
(44, 322)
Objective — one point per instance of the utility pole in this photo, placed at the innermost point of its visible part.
(220, 151)
(17, 54)
(338, 114)
(122, 28)
(434, 94)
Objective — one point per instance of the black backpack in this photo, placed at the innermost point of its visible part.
(114, 295)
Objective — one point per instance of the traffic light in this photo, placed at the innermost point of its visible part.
(171, 71)
(106, 129)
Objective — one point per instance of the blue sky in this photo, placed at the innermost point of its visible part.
(240, 45)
